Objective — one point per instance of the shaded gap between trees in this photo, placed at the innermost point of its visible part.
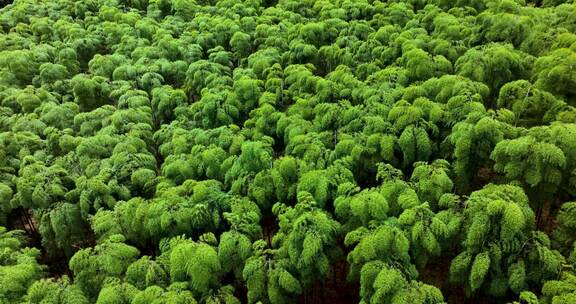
(4, 3)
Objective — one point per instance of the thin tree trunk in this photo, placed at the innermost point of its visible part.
(544, 214)
(21, 218)
(30, 222)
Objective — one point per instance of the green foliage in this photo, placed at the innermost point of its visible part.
(530, 105)
(306, 238)
(114, 291)
(322, 184)
(553, 73)
(91, 266)
(565, 232)
(90, 93)
(234, 248)
(381, 283)
(41, 186)
(221, 151)
(415, 145)
(494, 65)
(479, 269)
(432, 181)
(146, 272)
(193, 207)
(166, 101)
(426, 230)
(546, 154)
(285, 174)
(269, 277)
(255, 157)
(19, 267)
(51, 291)
(501, 248)
(473, 141)
(6, 194)
(193, 262)
(62, 229)
(530, 161)
(361, 209)
(387, 243)
(157, 295)
(421, 66)
(560, 291)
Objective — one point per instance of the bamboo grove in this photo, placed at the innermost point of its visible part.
(290, 151)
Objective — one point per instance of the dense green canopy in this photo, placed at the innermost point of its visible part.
(287, 151)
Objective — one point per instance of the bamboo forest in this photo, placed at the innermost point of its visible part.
(287, 151)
